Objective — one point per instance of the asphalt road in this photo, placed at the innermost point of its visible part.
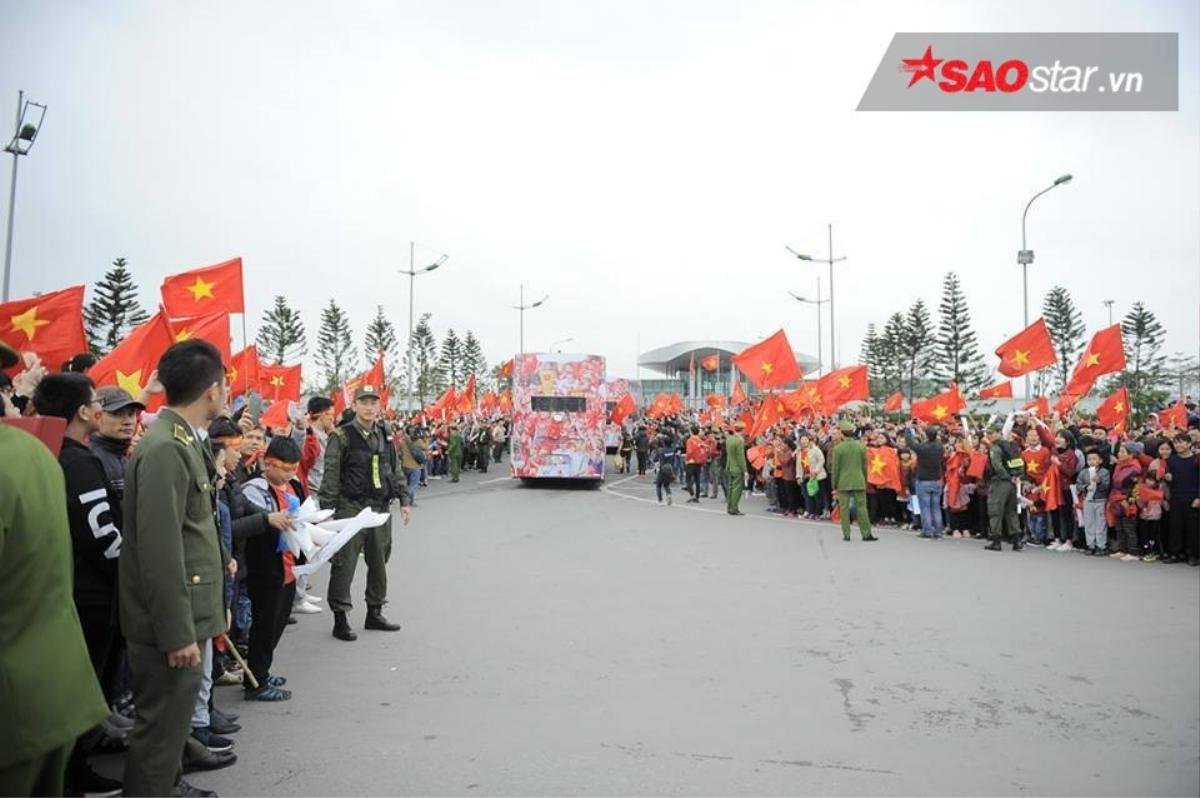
(561, 641)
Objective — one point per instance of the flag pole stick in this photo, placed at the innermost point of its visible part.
(237, 655)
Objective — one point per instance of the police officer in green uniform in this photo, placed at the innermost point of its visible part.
(483, 446)
(171, 564)
(1005, 467)
(735, 469)
(361, 470)
(49, 695)
(848, 477)
(455, 452)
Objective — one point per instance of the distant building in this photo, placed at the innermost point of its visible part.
(675, 364)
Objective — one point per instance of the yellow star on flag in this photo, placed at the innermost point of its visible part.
(130, 382)
(877, 465)
(28, 322)
(844, 381)
(1092, 360)
(1020, 358)
(183, 335)
(767, 368)
(1046, 485)
(201, 290)
(1032, 466)
(231, 375)
(939, 412)
(1119, 407)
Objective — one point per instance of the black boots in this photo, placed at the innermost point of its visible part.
(993, 546)
(341, 627)
(377, 622)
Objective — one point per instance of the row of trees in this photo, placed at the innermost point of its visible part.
(114, 310)
(914, 356)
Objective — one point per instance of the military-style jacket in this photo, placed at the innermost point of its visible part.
(848, 465)
(48, 690)
(171, 568)
(360, 470)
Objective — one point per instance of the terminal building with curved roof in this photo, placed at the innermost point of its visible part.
(682, 366)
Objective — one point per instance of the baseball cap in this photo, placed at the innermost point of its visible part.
(113, 398)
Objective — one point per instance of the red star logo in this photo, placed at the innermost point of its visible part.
(921, 67)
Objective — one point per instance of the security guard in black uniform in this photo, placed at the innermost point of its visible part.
(361, 470)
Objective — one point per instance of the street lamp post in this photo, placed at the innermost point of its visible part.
(1108, 303)
(818, 302)
(830, 260)
(1025, 256)
(412, 271)
(24, 135)
(522, 307)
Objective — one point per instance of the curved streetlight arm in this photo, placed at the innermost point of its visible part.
(1059, 182)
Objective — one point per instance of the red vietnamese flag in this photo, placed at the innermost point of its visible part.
(279, 382)
(133, 360)
(1114, 409)
(769, 413)
(243, 371)
(213, 328)
(883, 467)
(1065, 402)
(894, 403)
(1028, 350)
(1052, 489)
(466, 398)
(624, 407)
(1001, 390)
(275, 417)
(50, 326)
(1041, 405)
(658, 407)
(487, 402)
(770, 363)
(1105, 354)
(711, 363)
(674, 404)
(739, 396)
(210, 289)
(757, 455)
(1174, 417)
(444, 404)
(939, 408)
(714, 400)
(505, 401)
(506, 369)
(836, 388)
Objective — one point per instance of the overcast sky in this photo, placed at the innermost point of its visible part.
(643, 163)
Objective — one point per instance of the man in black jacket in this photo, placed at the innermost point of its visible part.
(94, 515)
(114, 433)
(931, 465)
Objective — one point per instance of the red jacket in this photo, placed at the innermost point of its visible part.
(697, 450)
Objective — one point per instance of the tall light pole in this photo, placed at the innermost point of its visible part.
(1025, 256)
(24, 134)
(561, 341)
(818, 302)
(412, 271)
(522, 307)
(1108, 303)
(830, 260)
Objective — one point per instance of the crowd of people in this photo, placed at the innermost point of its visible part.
(1065, 484)
(150, 563)
(163, 570)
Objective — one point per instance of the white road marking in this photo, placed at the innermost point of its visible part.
(497, 479)
(683, 505)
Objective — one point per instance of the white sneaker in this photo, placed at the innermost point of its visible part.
(306, 608)
(312, 598)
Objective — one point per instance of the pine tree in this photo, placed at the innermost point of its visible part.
(113, 311)
(1145, 367)
(450, 358)
(870, 355)
(917, 345)
(1065, 324)
(335, 349)
(957, 356)
(891, 353)
(473, 361)
(380, 337)
(281, 338)
(422, 358)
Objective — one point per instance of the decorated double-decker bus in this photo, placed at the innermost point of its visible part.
(558, 416)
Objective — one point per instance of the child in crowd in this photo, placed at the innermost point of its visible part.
(270, 580)
(1149, 501)
(1093, 484)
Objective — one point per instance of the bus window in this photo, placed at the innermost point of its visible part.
(558, 404)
